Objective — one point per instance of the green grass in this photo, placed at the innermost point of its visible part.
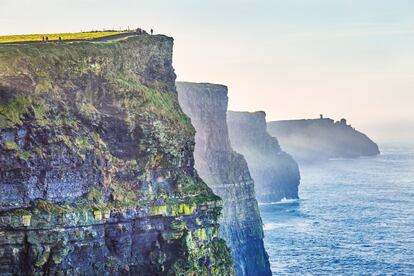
(124, 196)
(53, 208)
(95, 195)
(10, 146)
(152, 100)
(83, 144)
(24, 156)
(11, 111)
(64, 36)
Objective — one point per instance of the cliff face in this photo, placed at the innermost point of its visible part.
(96, 164)
(321, 139)
(227, 174)
(275, 173)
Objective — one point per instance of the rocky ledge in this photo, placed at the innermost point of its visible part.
(96, 164)
(275, 173)
(227, 174)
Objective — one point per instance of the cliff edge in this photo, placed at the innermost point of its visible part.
(275, 173)
(321, 139)
(96, 164)
(227, 174)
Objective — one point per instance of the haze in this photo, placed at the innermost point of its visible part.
(291, 58)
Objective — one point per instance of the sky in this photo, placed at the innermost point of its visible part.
(292, 58)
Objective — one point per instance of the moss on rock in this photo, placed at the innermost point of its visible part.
(12, 110)
(10, 146)
(104, 151)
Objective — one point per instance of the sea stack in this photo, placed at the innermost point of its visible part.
(320, 139)
(96, 164)
(276, 173)
(227, 174)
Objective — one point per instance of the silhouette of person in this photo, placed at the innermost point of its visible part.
(47, 38)
(152, 31)
(60, 39)
(43, 38)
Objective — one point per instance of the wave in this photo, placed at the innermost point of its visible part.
(353, 158)
(297, 225)
(282, 201)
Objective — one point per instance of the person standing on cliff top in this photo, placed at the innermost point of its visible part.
(152, 31)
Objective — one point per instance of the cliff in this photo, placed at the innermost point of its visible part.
(227, 174)
(321, 139)
(276, 173)
(96, 164)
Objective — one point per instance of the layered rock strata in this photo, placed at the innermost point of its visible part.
(96, 164)
(227, 174)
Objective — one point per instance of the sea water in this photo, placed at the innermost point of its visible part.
(354, 217)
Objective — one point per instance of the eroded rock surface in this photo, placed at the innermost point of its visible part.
(227, 174)
(96, 164)
(276, 173)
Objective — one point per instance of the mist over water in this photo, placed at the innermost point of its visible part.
(355, 217)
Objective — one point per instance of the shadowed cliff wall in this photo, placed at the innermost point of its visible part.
(227, 174)
(276, 173)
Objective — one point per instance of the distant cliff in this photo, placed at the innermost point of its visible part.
(226, 172)
(321, 139)
(96, 164)
(276, 174)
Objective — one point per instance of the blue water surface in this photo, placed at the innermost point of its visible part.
(355, 217)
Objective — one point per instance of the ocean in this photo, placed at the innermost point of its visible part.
(354, 217)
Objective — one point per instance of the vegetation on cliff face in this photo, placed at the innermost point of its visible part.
(95, 150)
(11, 111)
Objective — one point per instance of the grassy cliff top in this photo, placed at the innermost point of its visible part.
(201, 85)
(63, 36)
(217, 93)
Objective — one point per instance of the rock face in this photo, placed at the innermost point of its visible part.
(321, 139)
(96, 164)
(227, 174)
(276, 173)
